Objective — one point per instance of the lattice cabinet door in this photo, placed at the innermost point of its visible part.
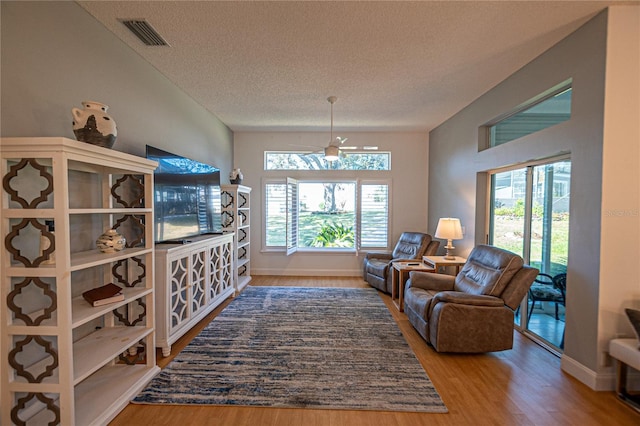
(180, 294)
(216, 260)
(226, 270)
(65, 361)
(198, 280)
(221, 268)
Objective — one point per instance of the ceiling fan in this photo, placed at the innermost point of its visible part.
(333, 150)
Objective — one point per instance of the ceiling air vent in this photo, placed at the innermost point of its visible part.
(145, 32)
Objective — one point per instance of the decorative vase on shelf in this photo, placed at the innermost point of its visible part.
(111, 241)
(235, 177)
(93, 125)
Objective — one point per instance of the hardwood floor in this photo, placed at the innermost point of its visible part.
(522, 386)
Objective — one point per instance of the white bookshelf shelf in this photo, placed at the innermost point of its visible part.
(101, 347)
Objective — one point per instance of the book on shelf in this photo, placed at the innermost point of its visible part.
(103, 295)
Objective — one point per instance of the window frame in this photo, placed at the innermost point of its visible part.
(345, 152)
(485, 138)
(291, 244)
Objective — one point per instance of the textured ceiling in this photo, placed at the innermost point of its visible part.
(394, 66)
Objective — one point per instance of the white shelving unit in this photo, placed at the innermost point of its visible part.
(236, 217)
(63, 360)
(192, 280)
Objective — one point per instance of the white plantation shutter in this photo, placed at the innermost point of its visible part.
(374, 215)
(292, 216)
(275, 214)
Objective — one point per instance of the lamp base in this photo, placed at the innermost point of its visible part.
(449, 255)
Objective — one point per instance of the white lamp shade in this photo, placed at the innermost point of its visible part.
(449, 228)
(331, 153)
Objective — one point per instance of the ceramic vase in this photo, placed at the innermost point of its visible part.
(111, 241)
(93, 125)
(235, 177)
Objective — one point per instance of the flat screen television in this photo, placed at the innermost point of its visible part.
(186, 197)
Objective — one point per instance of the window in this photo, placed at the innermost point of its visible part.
(546, 110)
(327, 215)
(277, 160)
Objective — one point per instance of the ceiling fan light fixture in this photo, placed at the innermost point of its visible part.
(331, 153)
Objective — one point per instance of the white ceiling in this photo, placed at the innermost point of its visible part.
(394, 66)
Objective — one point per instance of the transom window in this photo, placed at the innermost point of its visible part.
(545, 110)
(289, 160)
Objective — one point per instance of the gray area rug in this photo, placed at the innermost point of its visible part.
(334, 348)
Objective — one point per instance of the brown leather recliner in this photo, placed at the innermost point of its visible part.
(473, 311)
(410, 246)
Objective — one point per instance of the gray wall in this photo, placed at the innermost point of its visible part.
(55, 55)
(458, 185)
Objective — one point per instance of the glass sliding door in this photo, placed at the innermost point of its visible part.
(508, 195)
(549, 250)
(550, 217)
(530, 216)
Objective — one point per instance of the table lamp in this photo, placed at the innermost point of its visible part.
(449, 228)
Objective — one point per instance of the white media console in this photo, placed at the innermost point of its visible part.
(193, 278)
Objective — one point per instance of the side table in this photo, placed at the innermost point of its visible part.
(436, 262)
(399, 276)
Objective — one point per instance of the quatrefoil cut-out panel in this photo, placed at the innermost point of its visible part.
(132, 314)
(32, 301)
(49, 400)
(129, 272)
(40, 183)
(128, 191)
(26, 348)
(242, 270)
(131, 226)
(17, 242)
(242, 200)
(227, 219)
(226, 199)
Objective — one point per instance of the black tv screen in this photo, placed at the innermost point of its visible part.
(186, 197)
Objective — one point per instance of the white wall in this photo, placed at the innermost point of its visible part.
(55, 55)
(409, 157)
(604, 155)
(620, 221)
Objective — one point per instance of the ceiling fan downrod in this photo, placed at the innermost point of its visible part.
(332, 100)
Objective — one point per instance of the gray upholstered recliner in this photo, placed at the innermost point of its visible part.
(410, 246)
(473, 311)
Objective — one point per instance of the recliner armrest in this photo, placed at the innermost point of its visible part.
(430, 281)
(378, 255)
(467, 299)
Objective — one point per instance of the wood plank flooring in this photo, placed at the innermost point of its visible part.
(522, 386)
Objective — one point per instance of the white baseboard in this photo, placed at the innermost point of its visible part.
(307, 272)
(597, 382)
